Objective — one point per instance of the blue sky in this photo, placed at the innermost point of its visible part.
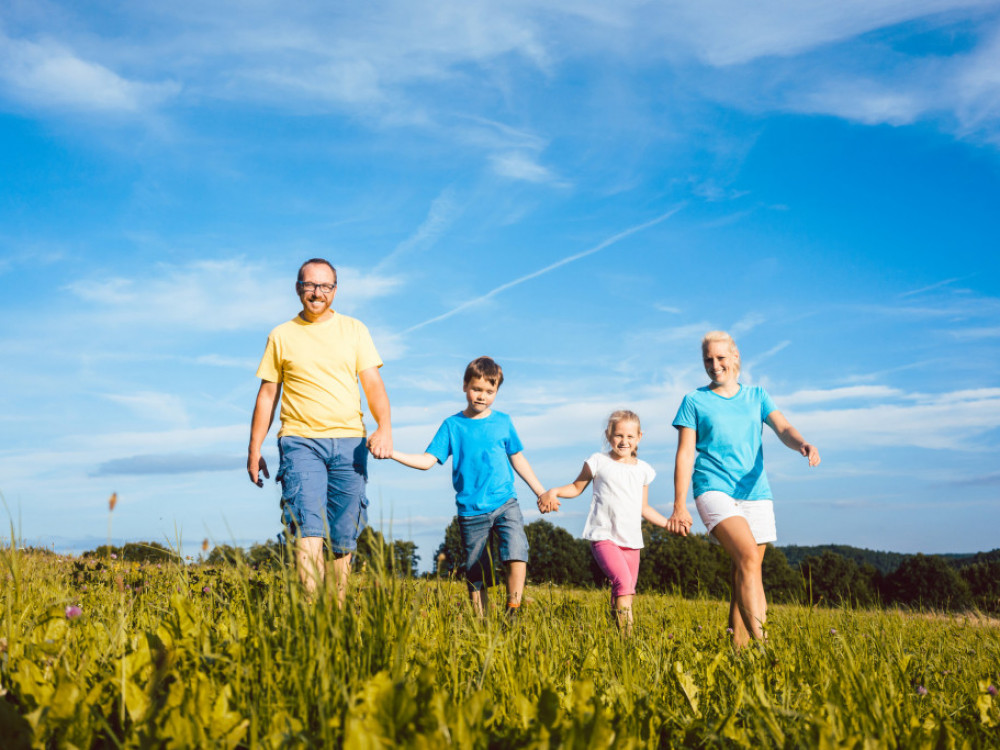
(580, 191)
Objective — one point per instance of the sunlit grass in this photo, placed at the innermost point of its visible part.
(115, 653)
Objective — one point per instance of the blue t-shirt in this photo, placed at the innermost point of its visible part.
(480, 467)
(730, 454)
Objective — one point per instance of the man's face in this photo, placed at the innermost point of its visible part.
(315, 301)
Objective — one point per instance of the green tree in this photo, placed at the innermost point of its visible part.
(225, 554)
(557, 556)
(688, 565)
(834, 579)
(782, 582)
(928, 581)
(983, 579)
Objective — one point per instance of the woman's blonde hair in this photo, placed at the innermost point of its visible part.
(622, 415)
(716, 336)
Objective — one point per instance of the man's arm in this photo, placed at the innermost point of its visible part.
(260, 423)
(380, 441)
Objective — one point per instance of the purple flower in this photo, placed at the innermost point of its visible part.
(730, 631)
(833, 631)
(921, 690)
(670, 636)
(114, 556)
(992, 690)
(206, 589)
(699, 628)
(73, 611)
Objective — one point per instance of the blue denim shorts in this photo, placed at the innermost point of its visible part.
(323, 488)
(505, 523)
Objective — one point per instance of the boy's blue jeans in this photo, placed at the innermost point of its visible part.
(507, 523)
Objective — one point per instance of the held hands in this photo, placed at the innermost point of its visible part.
(809, 451)
(548, 501)
(380, 443)
(257, 467)
(679, 522)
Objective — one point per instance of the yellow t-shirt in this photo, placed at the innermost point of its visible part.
(317, 365)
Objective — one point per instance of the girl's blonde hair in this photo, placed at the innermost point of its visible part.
(715, 336)
(622, 415)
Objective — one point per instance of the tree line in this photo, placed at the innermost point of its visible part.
(690, 566)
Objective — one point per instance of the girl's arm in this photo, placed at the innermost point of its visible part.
(680, 521)
(791, 437)
(422, 461)
(650, 513)
(551, 498)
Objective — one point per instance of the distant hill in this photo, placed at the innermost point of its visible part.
(884, 562)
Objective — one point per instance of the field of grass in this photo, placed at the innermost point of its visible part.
(117, 654)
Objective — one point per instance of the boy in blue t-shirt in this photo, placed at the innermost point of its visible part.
(484, 446)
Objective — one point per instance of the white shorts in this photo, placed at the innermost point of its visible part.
(715, 507)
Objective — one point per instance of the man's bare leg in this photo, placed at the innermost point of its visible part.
(479, 599)
(310, 564)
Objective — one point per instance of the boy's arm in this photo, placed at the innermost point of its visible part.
(422, 461)
(523, 469)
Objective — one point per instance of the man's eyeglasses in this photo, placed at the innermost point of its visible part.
(308, 286)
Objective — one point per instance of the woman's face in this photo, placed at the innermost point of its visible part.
(721, 364)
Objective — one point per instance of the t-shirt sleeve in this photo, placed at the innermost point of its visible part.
(440, 445)
(650, 474)
(766, 405)
(592, 463)
(513, 442)
(367, 356)
(687, 416)
(270, 364)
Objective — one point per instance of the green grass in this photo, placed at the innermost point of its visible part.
(179, 656)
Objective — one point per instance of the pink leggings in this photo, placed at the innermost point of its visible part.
(620, 565)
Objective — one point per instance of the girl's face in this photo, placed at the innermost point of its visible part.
(624, 438)
(721, 364)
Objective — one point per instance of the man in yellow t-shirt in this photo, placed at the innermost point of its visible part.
(312, 364)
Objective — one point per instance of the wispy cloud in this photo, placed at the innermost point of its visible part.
(217, 295)
(165, 408)
(547, 269)
(521, 166)
(49, 75)
(443, 212)
(817, 396)
(932, 287)
(170, 463)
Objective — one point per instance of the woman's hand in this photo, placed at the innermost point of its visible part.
(679, 522)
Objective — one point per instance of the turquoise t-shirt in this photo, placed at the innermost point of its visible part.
(730, 454)
(480, 467)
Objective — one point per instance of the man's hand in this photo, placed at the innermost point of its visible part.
(380, 443)
(256, 465)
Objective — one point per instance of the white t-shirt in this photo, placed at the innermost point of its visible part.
(616, 510)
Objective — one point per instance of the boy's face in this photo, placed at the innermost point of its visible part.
(480, 393)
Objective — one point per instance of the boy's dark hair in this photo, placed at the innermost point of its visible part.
(485, 368)
(321, 261)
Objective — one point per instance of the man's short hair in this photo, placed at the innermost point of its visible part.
(322, 261)
(485, 368)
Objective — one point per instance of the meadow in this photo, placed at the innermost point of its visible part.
(112, 653)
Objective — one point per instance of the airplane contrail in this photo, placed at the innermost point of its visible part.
(535, 274)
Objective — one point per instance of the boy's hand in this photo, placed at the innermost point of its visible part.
(548, 501)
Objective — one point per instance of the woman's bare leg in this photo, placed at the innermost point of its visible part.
(748, 608)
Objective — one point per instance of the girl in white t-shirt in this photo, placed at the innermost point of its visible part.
(621, 501)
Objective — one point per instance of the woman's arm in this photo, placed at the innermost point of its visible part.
(791, 437)
(649, 512)
(680, 521)
(422, 461)
(551, 497)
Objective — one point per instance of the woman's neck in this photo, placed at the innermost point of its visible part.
(727, 390)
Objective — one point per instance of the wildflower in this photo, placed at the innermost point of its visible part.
(204, 545)
(206, 589)
(833, 631)
(73, 611)
(670, 636)
(992, 690)
(730, 631)
(112, 501)
(114, 556)
(699, 628)
(921, 690)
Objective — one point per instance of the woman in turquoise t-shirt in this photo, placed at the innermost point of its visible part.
(719, 443)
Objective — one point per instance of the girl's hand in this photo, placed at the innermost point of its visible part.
(679, 522)
(809, 451)
(548, 501)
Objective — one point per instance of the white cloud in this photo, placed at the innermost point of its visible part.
(217, 295)
(443, 211)
(816, 396)
(166, 408)
(48, 74)
(520, 166)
